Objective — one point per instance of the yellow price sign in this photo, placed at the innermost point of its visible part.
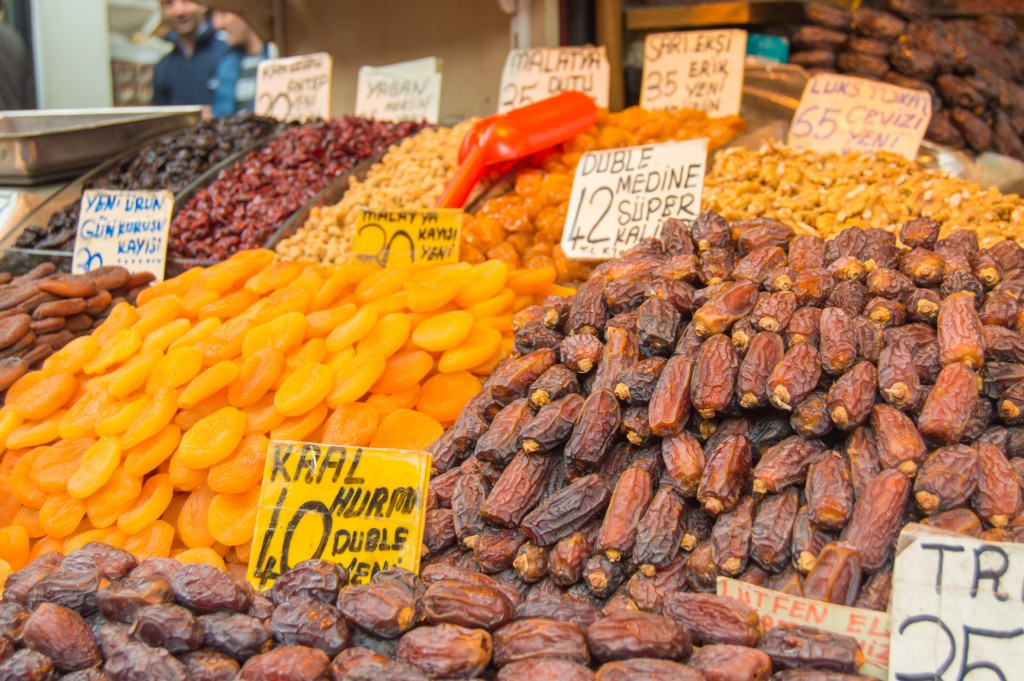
(362, 508)
(396, 238)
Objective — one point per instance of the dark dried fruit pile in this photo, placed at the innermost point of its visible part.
(171, 162)
(740, 401)
(42, 310)
(98, 614)
(974, 69)
(251, 199)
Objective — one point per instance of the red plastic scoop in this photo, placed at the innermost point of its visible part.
(515, 135)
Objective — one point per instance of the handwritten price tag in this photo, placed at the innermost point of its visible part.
(409, 91)
(869, 627)
(538, 73)
(126, 228)
(398, 238)
(957, 608)
(622, 196)
(700, 70)
(845, 114)
(295, 88)
(361, 508)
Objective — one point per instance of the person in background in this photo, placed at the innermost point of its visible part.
(17, 85)
(188, 74)
(236, 73)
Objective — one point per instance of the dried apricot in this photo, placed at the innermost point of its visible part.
(488, 281)
(174, 287)
(534, 281)
(156, 314)
(298, 427)
(213, 438)
(403, 370)
(313, 351)
(493, 306)
(187, 418)
(147, 455)
(443, 331)
(73, 356)
(119, 416)
(9, 422)
(262, 417)
(385, 403)
(406, 429)
(36, 433)
(80, 418)
(208, 383)
(243, 469)
(232, 517)
(120, 347)
(354, 378)
(479, 346)
(60, 515)
(23, 485)
(303, 390)
(321, 323)
(98, 464)
(350, 424)
(14, 546)
(28, 519)
(199, 332)
(352, 329)
(381, 283)
(114, 498)
(229, 306)
(277, 275)
(120, 318)
(151, 503)
(279, 303)
(444, 395)
(46, 396)
(258, 373)
(155, 416)
(153, 542)
(387, 336)
(44, 545)
(162, 338)
(133, 374)
(233, 271)
(53, 466)
(182, 477)
(282, 334)
(225, 342)
(204, 555)
(193, 527)
(175, 369)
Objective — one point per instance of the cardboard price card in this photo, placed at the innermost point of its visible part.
(295, 88)
(534, 74)
(409, 91)
(869, 627)
(957, 608)
(126, 228)
(700, 70)
(844, 114)
(361, 508)
(621, 196)
(398, 238)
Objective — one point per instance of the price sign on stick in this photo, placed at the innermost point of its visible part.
(845, 114)
(538, 73)
(126, 228)
(957, 608)
(700, 70)
(295, 88)
(409, 91)
(361, 508)
(621, 196)
(396, 238)
(869, 627)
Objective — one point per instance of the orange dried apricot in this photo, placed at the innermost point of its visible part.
(444, 395)
(200, 331)
(162, 338)
(232, 517)
(193, 527)
(23, 485)
(319, 324)
(226, 341)
(132, 375)
(202, 554)
(22, 385)
(303, 390)
(36, 433)
(56, 464)
(277, 275)
(9, 422)
(156, 415)
(500, 323)
(28, 518)
(443, 331)
(156, 314)
(60, 515)
(98, 464)
(153, 542)
(120, 318)
(279, 303)
(488, 281)
(379, 284)
(186, 418)
(147, 455)
(262, 417)
(120, 347)
(196, 299)
(208, 383)
(9, 504)
(354, 378)
(73, 356)
(44, 545)
(350, 424)
(387, 336)
(212, 438)
(229, 306)
(385, 403)
(233, 271)
(282, 334)
(313, 351)
(403, 370)
(14, 547)
(258, 373)
(406, 429)
(396, 302)
(114, 498)
(119, 416)
(176, 286)
(80, 539)
(243, 469)
(175, 369)
(80, 418)
(182, 477)
(481, 343)
(352, 329)
(153, 500)
(298, 427)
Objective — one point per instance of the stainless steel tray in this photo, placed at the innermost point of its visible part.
(37, 147)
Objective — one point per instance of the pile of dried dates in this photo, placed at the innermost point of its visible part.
(974, 69)
(98, 614)
(249, 200)
(171, 162)
(43, 310)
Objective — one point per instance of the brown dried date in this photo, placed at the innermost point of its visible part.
(587, 312)
(713, 619)
(998, 496)
(646, 668)
(835, 577)
(960, 333)
(730, 537)
(759, 263)
(638, 634)
(531, 563)
(621, 351)
(635, 385)
(595, 430)
(946, 479)
(763, 353)
(725, 474)
(657, 324)
(468, 495)
(603, 576)
(63, 636)
(670, 402)
(898, 380)
(949, 405)
(920, 233)
(319, 579)
(724, 308)
(121, 601)
(785, 464)
(959, 520)
(568, 558)
(838, 344)
(627, 505)
(772, 529)
(725, 662)
(382, 610)
(829, 492)
(532, 638)
(567, 510)
(813, 286)
(877, 517)
(478, 606)
(807, 542)
(899, 442)
(852, 395)
(714, 376)
(446, 650)
(581, 352)
(495, 549)
(660, 531)
(806, 252)
(792, 647)
(553, 384)
(794, 377)
(518, 489)
(810, 417)
(551, 426)
(439, 530)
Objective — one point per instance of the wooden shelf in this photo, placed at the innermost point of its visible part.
(713, 14)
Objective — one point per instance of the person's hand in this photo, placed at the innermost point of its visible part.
(207, 113)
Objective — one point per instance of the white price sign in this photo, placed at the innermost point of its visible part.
(957, 609)
(126, 228)
(295, 88)
(622, 196)
(844, 114)
(409, 91)
(538, 73)
(700, 70)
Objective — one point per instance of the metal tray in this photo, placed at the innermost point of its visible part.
(37, 147)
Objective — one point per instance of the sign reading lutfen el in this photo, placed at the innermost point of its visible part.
(844, 114)
(622, 196)
(126, 228)
(362, 508)
(700, 70)
(531, 75)
(409, 91)
(957, 608)
(295, 88)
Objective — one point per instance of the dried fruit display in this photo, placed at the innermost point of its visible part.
(970, 67)
(248, 201)
(455, 623)
(43, 310)
(823, 194)
(524, 226)
(170, 162)
(151, 433)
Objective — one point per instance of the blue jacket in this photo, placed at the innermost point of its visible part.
(182, 80)
(227, 99)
